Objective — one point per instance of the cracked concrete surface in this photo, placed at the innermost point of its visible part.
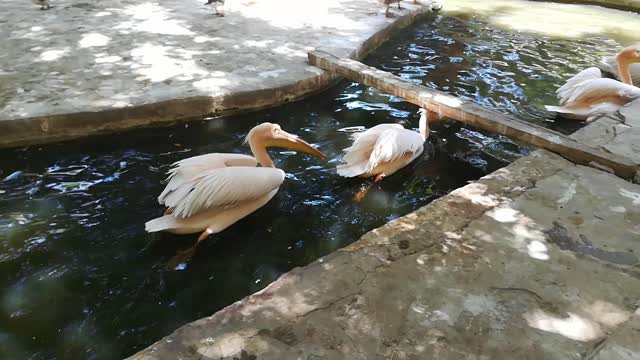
(614, 136)
(86, 67)
(539, 260)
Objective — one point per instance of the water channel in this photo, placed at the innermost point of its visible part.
(81, 278)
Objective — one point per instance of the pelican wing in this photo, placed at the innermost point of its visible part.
(566, 90)
(598, 91)
(394, 144)
(185, 170)
(356, 157)
(197, 164)
(223, 187)
(371, 135)
(365, 141)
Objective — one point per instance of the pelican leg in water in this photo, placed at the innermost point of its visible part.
(359, 196)
(588, 95)
(208, 193)
(382, 150)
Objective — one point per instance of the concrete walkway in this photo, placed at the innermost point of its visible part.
(86, 67)
(539, 260)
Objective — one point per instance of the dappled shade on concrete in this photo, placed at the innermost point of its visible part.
(116, 56)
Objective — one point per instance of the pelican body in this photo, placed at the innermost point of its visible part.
(588, 95)
(209, 193)
(383, 150)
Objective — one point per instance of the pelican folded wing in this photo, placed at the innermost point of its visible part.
(223, 187)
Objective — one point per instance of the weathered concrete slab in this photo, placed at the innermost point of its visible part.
(613, 135)
(538, 260)
(98, 66)
(623, 344)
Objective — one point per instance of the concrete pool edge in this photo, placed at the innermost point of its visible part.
(60, 127)
(412, 286)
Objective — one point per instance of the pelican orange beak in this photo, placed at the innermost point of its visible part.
(283, 139)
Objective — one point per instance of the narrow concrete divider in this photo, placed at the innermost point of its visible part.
(475, 115)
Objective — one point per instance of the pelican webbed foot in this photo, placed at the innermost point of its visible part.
(617, 116)
(181, 257)
(359, 196)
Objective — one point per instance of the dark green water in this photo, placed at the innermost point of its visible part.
(81, 279)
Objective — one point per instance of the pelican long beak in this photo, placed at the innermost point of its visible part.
(285, 140)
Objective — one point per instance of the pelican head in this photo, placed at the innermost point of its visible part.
(268, 135)
(630, 54)
(626, 57)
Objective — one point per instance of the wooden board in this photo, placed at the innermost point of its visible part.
(473, 114)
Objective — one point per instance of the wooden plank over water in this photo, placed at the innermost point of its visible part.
(473, 114)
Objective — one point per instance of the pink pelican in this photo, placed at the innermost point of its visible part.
(588, 96)
(209, 193)
(383, 150)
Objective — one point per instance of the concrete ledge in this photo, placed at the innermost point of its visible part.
(534, 261)
(619, 135)
(45, 129)
(249, 61)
